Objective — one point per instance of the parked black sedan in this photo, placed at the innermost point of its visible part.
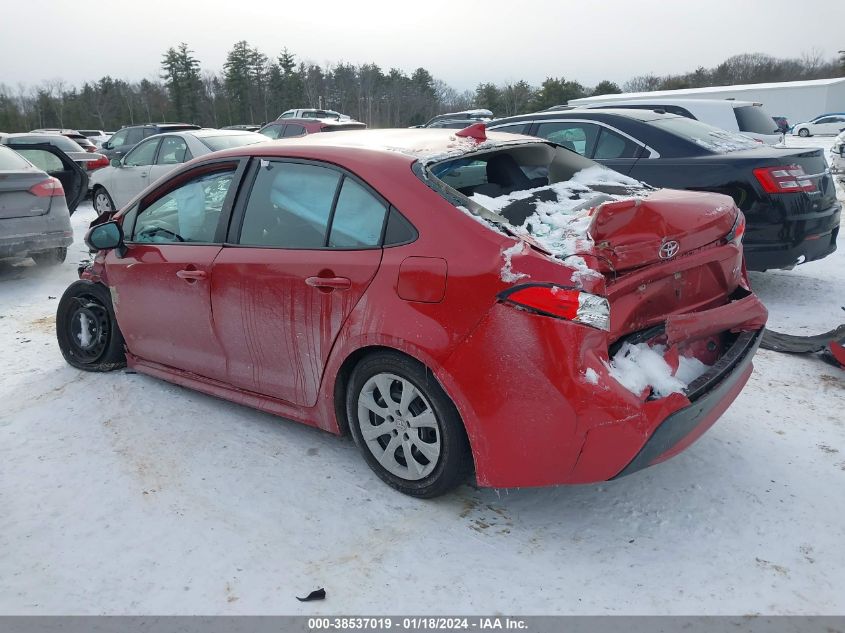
(787, 195)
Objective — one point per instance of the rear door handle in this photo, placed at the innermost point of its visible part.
(191, 275)
(332, 283)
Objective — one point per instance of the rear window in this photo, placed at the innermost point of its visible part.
(340, 128)
(9, 159)
(216, 143)
(710, 138)
(755, 120)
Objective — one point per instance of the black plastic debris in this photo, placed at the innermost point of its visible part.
(828, 345)
(317, 594)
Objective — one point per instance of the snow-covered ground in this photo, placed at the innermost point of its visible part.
(120, 493)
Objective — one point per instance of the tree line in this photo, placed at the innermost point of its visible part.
(254, 88)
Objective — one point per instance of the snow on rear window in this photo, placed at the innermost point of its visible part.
(558, 216)
(710, 138)
(229, 141)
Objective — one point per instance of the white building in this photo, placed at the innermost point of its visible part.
(796, 100)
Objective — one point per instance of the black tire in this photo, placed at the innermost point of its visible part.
(52, 257)
(454, 461)
(101, 200)
(804, 132)
(85, 303)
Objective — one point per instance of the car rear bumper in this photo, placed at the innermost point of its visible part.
(541, 407)
(818, 233)
(21, 245)
(715, 390)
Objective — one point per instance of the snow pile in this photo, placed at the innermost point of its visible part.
(591, 376)
(507, 275)
(724, 142)
(562, 212)
(638, 367)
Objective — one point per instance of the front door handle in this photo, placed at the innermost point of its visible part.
(331, 283)
(191, 275)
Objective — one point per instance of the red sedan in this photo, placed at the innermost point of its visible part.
(451, 300)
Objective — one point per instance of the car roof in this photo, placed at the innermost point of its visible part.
(423, 144)
(628, 113)
(165, 125)
(670, 101)
(205, 132)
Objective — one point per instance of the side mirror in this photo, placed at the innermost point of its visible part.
(115, 162)
(104, 236)
(106, 145)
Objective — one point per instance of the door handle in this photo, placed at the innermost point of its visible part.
(143, 175)
(331, 283)
(191, 275)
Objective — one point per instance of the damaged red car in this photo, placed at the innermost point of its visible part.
(455, 302)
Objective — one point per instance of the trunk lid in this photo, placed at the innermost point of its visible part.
(666, 224)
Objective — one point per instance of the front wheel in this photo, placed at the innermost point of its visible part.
(407, 428)
(804, 132)
(86, 329)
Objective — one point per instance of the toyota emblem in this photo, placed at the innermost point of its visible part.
(669, 249)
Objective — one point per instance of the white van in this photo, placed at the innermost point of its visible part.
(745, 117)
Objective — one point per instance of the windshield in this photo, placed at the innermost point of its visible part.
(216, 143)
(710, 138)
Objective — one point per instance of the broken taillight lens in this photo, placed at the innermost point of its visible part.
(561, 302)
(738, 229)
(47, 188)
(784, 179)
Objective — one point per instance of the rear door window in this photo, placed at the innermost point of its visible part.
(173, 150)
(289, 206)
(613, 145)
(292, 129)
(358, 217)
(575, 136)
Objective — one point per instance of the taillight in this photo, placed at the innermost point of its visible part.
(91, 149)
(561, 302)
(784, 179)
(738, 229)
(102, 161)
(47, 188)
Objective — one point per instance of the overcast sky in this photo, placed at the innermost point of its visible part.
(497, 41)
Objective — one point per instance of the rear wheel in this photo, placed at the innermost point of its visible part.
(804, 132)
(86, 329)
(407, 428)
(102, 201)
(52, 257)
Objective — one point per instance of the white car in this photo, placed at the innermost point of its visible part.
(114, 186)
(826, 124)
(314, 113)
(837, 157)
(98, 137)
(744, 117)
